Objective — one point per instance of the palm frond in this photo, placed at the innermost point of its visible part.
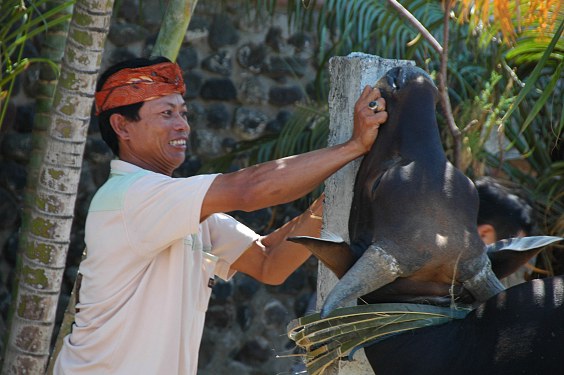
(19, 23)
(326, 340)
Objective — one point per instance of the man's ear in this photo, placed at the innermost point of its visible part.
(487, 233)
(119, 124)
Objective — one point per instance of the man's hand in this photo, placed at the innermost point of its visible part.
(284, 180)
(369, 114)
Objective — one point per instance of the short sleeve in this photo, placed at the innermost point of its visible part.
(159, 210)
(228, 239)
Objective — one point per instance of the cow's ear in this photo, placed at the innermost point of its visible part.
(510, 254)
(334, 253)
(487, 233)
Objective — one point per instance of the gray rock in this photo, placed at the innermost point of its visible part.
(187, 58)
(300, 41)
(152, 13)
(123, 34)
(275, 315)
(222, 32)
(255, 351)
(128, 10)
(13, 178)
(193, 82)
(229, 144)
(206, 142)
(120, 54)
(275, 126)
(249, 123)
(24, 118)
(190, 167)
(196, 115)
(282, 96)
(9, 119)
(294, 283)
(252, 57)
(218, 116)
(218, 89)
(97, 151)
(287, 66)
(17, 146)
(245, 316)
(220, 316)
(198, 23)
(252, 90)
(219, 63)
(247, 287)
(274, 38)
(222, 291)
(9, 211)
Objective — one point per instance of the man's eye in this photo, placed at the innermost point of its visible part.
(184, 114)
(167, 113)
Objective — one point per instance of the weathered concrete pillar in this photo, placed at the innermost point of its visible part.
(349, 75)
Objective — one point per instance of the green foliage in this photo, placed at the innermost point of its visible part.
(534, 125)
(20, 21)
(511, 90)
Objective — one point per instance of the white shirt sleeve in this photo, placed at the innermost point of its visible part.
(228, 239)
(159, 210)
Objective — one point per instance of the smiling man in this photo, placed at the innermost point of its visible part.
(155, 243)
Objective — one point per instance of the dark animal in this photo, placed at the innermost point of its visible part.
(413, 217)
(519, 331)
(414, 238)
(413, 214)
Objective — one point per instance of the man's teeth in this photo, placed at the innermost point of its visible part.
(178, 142)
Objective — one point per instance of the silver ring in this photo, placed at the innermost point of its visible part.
(375, 106)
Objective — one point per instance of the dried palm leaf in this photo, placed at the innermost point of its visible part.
(326, 340)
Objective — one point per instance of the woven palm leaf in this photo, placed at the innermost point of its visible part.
(326, 340)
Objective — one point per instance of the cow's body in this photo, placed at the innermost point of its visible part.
(414, 239)
(413, 215)
(519, 331)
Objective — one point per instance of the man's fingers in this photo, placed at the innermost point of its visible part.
(381, 117)
(377, 105)
(371, 98)
(366, 93)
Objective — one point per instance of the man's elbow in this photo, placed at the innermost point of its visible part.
(274, 281)
(272, 277)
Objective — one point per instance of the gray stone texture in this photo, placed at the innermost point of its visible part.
(349, 75)
(230, 66)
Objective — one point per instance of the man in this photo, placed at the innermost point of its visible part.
(155, 242)
(503, 214)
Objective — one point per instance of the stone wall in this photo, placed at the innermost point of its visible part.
(244, 75)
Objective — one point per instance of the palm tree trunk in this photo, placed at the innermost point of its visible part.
(68, 320)
(172, 32)
(44, 245)
(168, 44)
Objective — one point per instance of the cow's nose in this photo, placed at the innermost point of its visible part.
(393, 78)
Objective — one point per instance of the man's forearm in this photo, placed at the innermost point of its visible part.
(283, 180)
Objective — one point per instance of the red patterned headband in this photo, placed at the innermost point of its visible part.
(136, 85)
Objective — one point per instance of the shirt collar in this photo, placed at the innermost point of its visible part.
(120, 167)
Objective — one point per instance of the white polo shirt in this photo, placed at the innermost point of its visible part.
(146, 278)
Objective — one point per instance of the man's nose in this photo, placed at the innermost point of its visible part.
(181, 123)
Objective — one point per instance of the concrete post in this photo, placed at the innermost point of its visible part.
(349, 75)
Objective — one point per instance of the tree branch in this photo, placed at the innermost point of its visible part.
(443, 92)
(442, 78)
(415, 22)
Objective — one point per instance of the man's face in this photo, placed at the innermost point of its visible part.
(159, 139)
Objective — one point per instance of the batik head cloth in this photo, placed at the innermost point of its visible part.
(135, 85)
